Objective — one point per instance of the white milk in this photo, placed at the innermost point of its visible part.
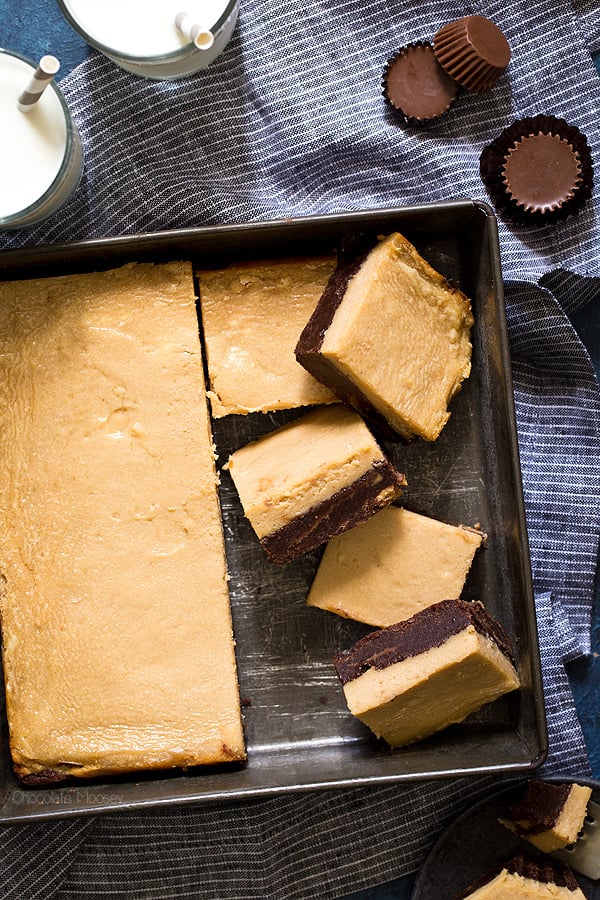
(40, 153)
(140, 35)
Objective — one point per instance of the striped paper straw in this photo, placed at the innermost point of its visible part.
(202, 37)
(47, 68)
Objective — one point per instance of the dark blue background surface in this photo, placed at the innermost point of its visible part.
(35, 28)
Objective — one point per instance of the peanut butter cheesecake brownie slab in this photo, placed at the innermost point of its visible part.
(391, 337)
(393, 565)
(549, 816)
(526, 876)
(117, 641)
(311, 479)
(411, 679)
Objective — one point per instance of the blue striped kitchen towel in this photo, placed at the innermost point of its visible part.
(288, 122)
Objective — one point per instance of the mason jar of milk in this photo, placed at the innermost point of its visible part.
(160, 39)
(40, 154)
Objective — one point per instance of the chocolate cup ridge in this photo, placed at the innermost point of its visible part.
(473, 51)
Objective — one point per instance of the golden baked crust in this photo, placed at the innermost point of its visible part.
(118, 650)
(253, 313)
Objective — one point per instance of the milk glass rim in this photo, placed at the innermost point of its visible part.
(14, 218)
(155, 58)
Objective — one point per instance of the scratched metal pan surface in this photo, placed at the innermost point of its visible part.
(300, 735)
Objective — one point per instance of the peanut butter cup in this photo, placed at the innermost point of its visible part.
(415, 85)
(538, 170)
(473, 51)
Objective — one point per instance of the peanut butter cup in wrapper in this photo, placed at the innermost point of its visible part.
(415, 86)
(473, 51)
(538, 170)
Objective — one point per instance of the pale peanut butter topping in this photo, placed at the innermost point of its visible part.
(118, 650)
(252, 315)
(402, 337)
(392, 566)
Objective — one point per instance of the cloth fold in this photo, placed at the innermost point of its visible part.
(559, 448)
(290, 121)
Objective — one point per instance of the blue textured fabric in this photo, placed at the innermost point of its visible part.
(290, 121)
(558, 416)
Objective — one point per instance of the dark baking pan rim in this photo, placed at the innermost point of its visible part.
(515, 745)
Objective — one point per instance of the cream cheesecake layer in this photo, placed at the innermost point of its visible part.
(420, 695)
(393, 565)
(118, 649)
(550, 816)
(398, 341)
(252, 314)
(301, 465)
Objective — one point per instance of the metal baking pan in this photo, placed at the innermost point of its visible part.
(300, 735)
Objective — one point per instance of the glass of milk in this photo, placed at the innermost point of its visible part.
(142, 36)
(40, 151)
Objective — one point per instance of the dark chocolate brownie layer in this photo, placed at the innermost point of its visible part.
(429, 628)
(313, 332)
(48, 776)
(543, 868)
(541, 803)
